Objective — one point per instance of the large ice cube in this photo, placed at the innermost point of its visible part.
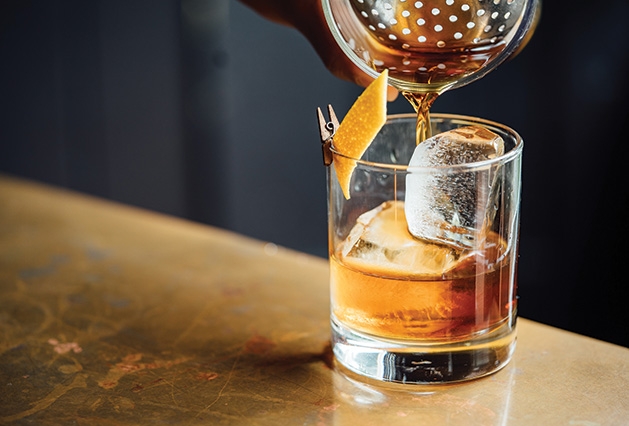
(380, 241)
(450, 206)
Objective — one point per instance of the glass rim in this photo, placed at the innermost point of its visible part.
(465, 119)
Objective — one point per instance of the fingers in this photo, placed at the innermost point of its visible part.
(347, 70)
(307, 17)
(331, 53)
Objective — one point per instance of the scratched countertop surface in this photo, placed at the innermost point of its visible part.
(119, 316)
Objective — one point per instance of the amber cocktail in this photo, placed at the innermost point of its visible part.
(423, 256)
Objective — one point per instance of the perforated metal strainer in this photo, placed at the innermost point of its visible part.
(429, 45)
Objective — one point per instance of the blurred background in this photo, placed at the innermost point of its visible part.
(206, 111)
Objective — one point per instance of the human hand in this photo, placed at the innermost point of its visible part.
(306, 16)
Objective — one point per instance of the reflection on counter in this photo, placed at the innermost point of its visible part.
(485, 401)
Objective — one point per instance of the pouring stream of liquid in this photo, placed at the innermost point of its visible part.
(421, 103)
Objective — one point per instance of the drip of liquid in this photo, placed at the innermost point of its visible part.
(421, 103)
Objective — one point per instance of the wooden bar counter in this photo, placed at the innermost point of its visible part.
(118, 316)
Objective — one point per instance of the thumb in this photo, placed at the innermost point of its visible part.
(392, 93)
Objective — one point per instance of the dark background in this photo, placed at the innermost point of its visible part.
(204, 110)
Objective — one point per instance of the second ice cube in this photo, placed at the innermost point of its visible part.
(452, 205)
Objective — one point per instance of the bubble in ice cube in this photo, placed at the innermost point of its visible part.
(449, 206)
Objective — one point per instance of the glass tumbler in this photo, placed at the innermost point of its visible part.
(414, 310)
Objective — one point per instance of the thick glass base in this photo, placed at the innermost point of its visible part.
(416, 363)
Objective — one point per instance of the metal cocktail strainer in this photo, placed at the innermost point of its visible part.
(430, 45)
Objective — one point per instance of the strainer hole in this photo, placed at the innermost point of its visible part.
(435, 11)
(421, 21)
(438, 28)
(453, 18)
(419, 4)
